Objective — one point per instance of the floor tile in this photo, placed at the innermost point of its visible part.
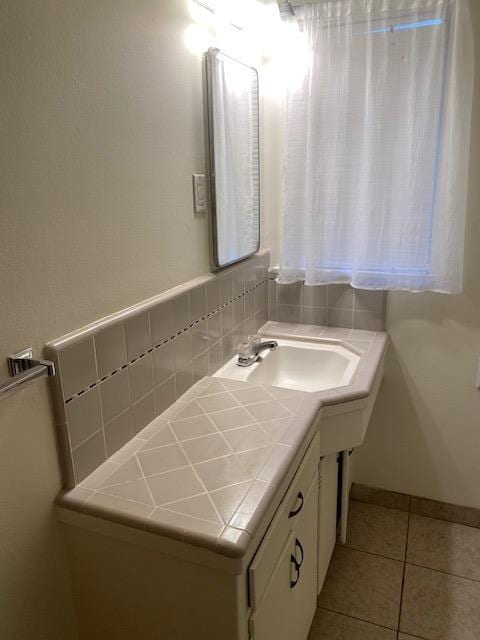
(404, 636)
(328, 625)
(363, 586)
(377, 530)
(437, 606)
(445, 546)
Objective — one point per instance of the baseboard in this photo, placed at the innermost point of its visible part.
(421, 506)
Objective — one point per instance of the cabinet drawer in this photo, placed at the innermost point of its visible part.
(287, 514)
(290, 599)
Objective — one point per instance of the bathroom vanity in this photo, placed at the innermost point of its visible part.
(201, 498)
(219, 518)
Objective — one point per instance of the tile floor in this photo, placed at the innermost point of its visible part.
(401, 576)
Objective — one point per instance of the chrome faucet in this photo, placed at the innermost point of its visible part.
(249, 352)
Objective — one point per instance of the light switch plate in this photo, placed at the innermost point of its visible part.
(199, 193)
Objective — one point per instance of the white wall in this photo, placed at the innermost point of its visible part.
(102, 127)
(272, 178)
(424, 437)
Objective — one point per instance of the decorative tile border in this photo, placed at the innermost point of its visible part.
(117, 374)
(161, 344)
(333, 305)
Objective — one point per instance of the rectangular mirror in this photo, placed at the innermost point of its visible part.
(233, 128)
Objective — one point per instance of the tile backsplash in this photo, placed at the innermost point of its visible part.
(117, 374)
(333, 305)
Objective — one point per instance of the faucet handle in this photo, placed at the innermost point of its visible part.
(254, 339)
(244, 350)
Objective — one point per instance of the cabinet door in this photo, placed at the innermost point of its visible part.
(286, 610)
(327, 514)
(285, 520)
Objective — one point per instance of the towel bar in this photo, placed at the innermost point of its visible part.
(23, 368)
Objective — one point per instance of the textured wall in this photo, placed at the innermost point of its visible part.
(102, 127)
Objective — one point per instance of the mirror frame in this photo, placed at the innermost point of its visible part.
(211, 156)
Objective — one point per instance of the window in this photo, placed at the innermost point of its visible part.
(377, 139)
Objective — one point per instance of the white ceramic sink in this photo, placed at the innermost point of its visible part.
(303, 366)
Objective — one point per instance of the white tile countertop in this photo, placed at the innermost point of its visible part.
(207, 470)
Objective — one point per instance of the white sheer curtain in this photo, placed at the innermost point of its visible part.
(377, 143)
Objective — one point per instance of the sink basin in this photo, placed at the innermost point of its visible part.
(303, 366)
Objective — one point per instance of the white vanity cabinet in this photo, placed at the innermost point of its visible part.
(287, 606)
(283, 573)
(134, 584)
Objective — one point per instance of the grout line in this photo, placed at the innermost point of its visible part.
(403, 574)
(173, 502)
(376, 504)
(152, 475)
(375, 624)
(460, 524)
(370, 553)
(90, 487)
(446, 573)
(217, 432)
(97, 492)
(95, 433)
(416, 513)
(154, 504)
(199, 479)
(188, 515)
(255, 423)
